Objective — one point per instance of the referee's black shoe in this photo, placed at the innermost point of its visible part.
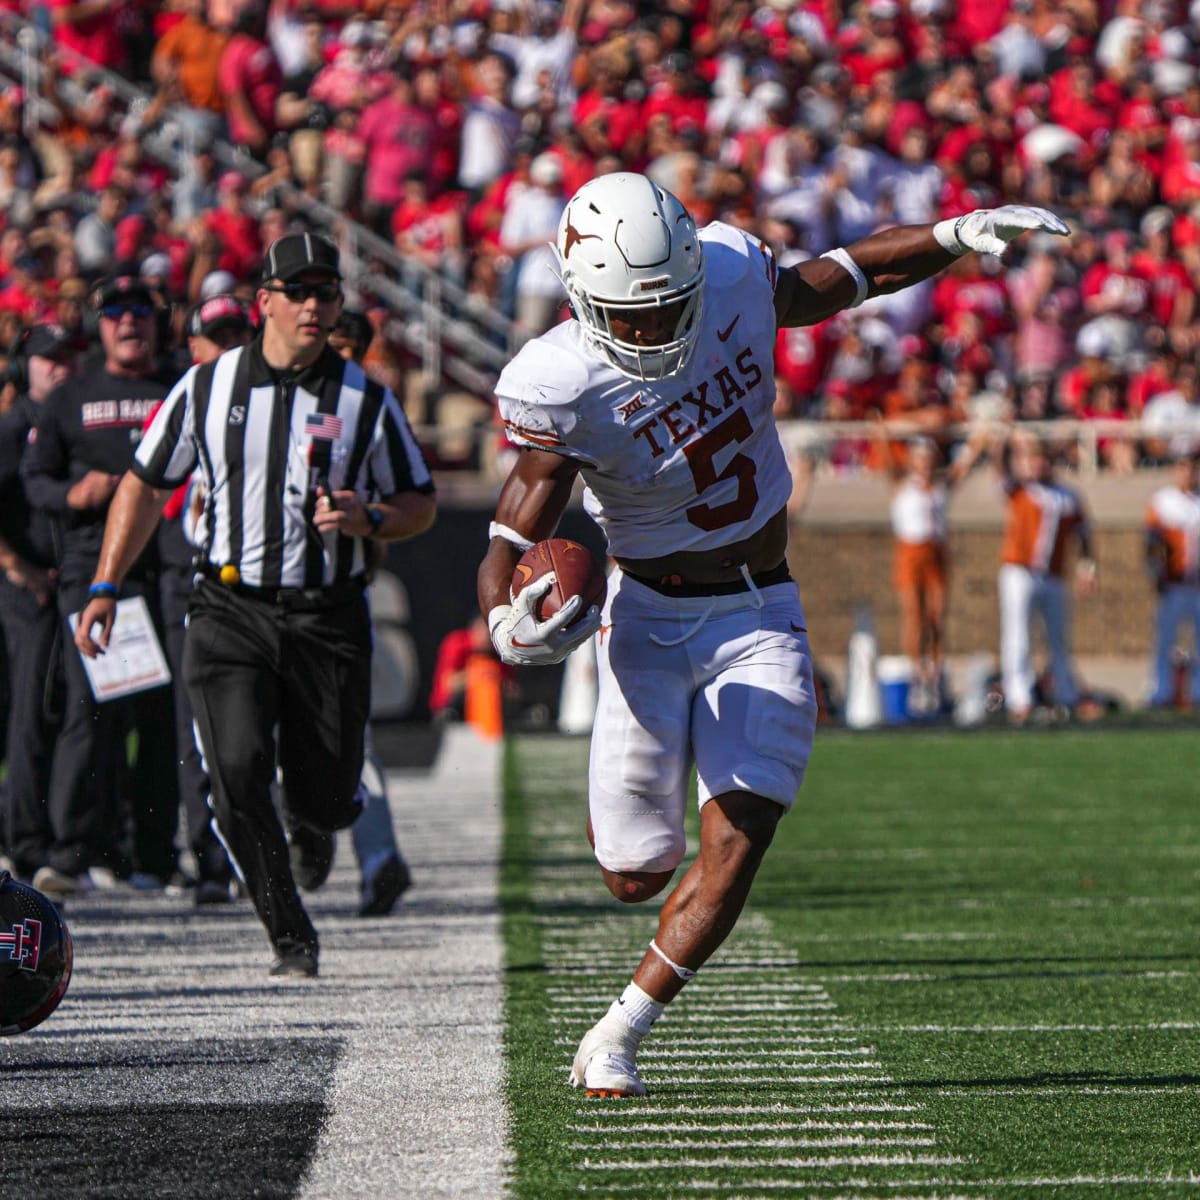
(385, 887)
(295, 958)
(310, 853)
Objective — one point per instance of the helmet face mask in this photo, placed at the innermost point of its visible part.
(36, 954)
(631, 259)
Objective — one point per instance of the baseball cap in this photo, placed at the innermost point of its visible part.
(117, 288)
(295, 253)
(205, 318)
(216, 283)
(49, 341)
(1156, 220)
(546, 170)
(156, 264)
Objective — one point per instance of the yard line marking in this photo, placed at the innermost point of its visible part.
(782, 1080)
(873, 1185)
(1038, 1091)
(759, 1017)
(798, 1164)
(765, 1126)
(847, 1142)
(642, 1113)
(1133, 1027)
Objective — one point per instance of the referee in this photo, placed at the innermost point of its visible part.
(304, 460)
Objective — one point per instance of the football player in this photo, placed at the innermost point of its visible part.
(659, 395)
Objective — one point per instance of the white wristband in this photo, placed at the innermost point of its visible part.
(496, 530)
(945, 233)
(496, 615)
(844, 260)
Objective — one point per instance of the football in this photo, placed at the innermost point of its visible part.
(578, 571)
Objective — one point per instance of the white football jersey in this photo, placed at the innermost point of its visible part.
(691, 462)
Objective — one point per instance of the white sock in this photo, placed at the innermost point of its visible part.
(636, 1009)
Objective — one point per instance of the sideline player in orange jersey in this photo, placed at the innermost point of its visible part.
(1044, 515)
(1173, 555)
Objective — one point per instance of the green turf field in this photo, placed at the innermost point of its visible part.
(968, 968)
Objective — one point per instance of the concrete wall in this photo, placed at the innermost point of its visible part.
(842, 567)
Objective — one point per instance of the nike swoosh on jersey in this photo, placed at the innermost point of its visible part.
(798, 628)
(723, 334)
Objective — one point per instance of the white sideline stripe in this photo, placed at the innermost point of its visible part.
(437, 1071)
(797, 1164)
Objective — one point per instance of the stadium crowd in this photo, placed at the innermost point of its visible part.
(457, 129)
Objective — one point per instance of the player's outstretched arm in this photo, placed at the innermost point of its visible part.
(897, 258)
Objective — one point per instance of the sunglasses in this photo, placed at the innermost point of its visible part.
(298, 291)
(114, 312)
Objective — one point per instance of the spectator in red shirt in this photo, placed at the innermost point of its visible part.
(1096, 352)
(608, 120)
(875, 45)
(251, 81)
(1114, 288)
(430, 94)
(967, 287)
(90, 29)
(1172, 294)
(1181, 176)
(430, 231)
(1158, 376)
(676, 105)
(803, 354)
(1082, 103)
(235, 229)
(401, 138)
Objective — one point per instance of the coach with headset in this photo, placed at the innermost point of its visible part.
(86, 433)
(305, 461)
(41, 357)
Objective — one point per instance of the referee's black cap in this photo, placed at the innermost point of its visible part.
(296, 253)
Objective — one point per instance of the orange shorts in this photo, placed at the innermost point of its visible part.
(919, 566)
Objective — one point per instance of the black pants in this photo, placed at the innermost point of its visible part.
(252, 666)
(35, 683)
(95, 795)
(212, 863)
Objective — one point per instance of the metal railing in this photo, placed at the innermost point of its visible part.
(431, 315)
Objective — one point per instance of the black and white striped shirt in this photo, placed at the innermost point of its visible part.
(263, 442)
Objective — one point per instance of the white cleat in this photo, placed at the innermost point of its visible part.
(604, 1063)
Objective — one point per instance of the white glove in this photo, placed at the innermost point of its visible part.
(521, 639)
(989, 230)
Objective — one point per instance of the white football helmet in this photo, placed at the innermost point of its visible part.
(625, 244)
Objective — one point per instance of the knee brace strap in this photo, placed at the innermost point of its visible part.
(682, 972)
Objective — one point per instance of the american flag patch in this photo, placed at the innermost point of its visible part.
(324, 427)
